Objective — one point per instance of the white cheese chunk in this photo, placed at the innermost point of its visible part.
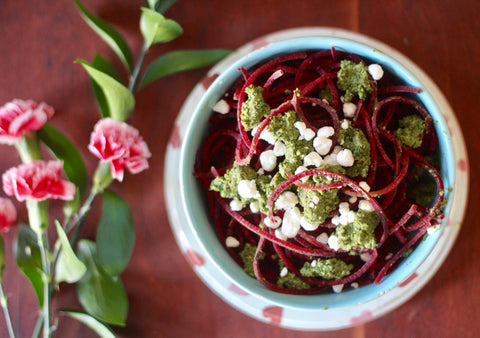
(291, 222)
(279, 148)
(286, 200)
(277, 221)
(325, 132)
(322, 145)
(308, 226)
(345, 158)
(349, 109)
(268, 160)
(313, 159)
(376, 71)
(247, 188)
(231, 242)
(337, 288)
(235, 205)
(221, 107)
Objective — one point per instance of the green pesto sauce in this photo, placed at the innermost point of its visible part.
(360, 233)
(327, 201)
(291, 281)
(296, 151)
(355, 140)
(326, 94)
(265, 186)
(353, 79)
(227, 185)
(247, 255)
(410, 131)
(331, 268)
(283, 128)
(254, 108)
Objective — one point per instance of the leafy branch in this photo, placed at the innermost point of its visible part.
(94, 266)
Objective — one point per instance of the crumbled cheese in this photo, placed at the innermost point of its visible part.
(325, 132)
(323, 237)
(221, 107)
(345, 158)
(337, 288)
(314, 159)
(349, 109)
(255, 207)
(286, 200)
(301, 126)
(431, 230)
(279, 149)
(351, 216)
(365, 206)
(333, 242)
(265, 135)
(336, 150)
(277, 221)
(313, 263)
(315, 199)
(260, 171)
(330, 159)
(299, 170)
(364, 185)
(344, 124)
(354, 285)
(343, 219)
(308, 134)
(231, 242)
(344, 208)
(235, 205)
(308, 226)
(247, 188)
(279, 234)
(336, 220)
(352, 199)
(284, 272)
(322, 145)
(291, 222)
(365, 256)
(268, 160)
(376, 71)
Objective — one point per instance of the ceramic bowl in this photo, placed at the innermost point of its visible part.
(197, 238)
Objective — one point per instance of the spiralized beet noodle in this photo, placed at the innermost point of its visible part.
(294, 82)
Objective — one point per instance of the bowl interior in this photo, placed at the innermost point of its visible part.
(192, 195)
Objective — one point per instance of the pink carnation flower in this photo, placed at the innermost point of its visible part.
(8, 214)
(20, 117)
(121, 145)
(37, 180)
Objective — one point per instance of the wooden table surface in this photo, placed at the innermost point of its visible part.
(39, 41)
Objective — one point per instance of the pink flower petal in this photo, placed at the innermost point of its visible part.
(121, 145)
(8, 214)
(37, 180)
(19, 117)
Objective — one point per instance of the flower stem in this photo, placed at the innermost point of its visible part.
(136, 70)
(28, 148)
(6, 313)
(46, 286)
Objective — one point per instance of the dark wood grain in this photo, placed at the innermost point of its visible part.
(39, 41)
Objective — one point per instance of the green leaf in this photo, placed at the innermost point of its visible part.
(110, 35)
(2, 257)
(103, 65)
(27, 255)
(102, 295)
(156, 28)
(119, 99)
(115, 234)
(181, 60)
(64, 150)
(99, 328)
(69, 268)
(160, 6)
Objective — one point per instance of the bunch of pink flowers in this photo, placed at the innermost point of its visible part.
(111, 141)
